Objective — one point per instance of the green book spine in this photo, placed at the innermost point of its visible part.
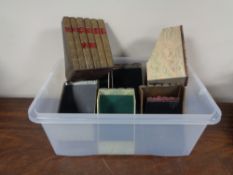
(71, 61)
(92, 43)
(79, 50)
(99, 44)
(107, 48)
(84, 41)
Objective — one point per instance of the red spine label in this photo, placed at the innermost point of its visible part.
(100, 31)
(68, 29)
(88, 45)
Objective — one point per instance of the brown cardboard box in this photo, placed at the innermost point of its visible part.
(173, 106)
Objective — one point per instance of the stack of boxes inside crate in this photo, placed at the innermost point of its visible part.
(96, 85)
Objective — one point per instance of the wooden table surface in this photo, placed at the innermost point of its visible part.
(24, 149)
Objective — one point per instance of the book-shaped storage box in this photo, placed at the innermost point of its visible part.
(167, 63)
(116, 101)
(87, 50)
(161, 100)
(79, 97)
(105, 81)
(128, 76)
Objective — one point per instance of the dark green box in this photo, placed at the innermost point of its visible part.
(116, 101)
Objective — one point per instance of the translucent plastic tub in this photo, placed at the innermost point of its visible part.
(140, 134)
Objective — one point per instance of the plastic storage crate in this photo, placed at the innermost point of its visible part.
(82, 134)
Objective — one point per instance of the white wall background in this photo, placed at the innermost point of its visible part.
(31, 38)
